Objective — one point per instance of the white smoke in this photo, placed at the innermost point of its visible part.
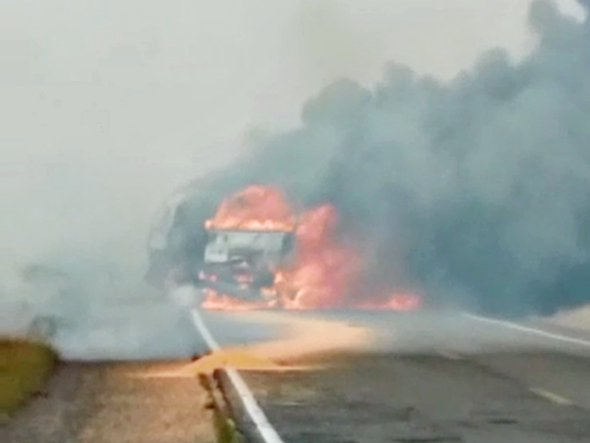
(106, 107)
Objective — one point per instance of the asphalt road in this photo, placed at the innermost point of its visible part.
(427, 376)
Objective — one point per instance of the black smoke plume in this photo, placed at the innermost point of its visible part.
(479, 186)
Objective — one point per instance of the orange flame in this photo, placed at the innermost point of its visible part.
(324, 269)
(221, 302)
(401, 301)
(257, 208)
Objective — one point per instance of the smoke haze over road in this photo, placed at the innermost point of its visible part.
(106, 107)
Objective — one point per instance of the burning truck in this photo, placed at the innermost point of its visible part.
(259, 250)
(250, 239)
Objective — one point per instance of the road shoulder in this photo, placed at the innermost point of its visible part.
(115, 402)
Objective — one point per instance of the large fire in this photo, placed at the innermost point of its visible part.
(324, 268)
(254, 208)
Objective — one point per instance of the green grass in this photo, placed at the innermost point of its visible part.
(25, 366)
(225, 429)
(224, 426)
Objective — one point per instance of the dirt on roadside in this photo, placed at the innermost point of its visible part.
(96, 403)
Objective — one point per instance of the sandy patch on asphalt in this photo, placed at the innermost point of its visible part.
(209, 363)
(306, 336)
(302, 338)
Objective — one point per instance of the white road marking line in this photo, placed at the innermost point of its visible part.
(268, 433)
(202, 328)
(530, 330)
(551, 396)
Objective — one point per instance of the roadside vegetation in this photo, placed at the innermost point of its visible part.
(25, 366)
(225, 428)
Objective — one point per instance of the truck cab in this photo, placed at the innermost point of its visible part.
(245, 259)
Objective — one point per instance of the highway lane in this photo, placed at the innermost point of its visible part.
(232, 329)
(378, 398)
(456, 377)
(556, 361)
(439, 332)
(423, 330)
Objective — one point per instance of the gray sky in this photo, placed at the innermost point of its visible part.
(107, 105)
